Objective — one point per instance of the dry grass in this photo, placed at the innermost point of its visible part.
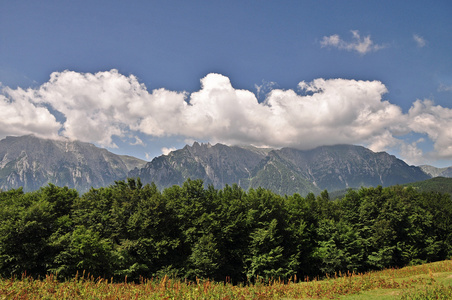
(415, 282)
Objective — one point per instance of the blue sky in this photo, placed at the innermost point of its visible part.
(144, 77)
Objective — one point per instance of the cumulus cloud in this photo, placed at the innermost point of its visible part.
(420, 41)
(434, 121)
(362, 45)
(19, 115)
(97, 107)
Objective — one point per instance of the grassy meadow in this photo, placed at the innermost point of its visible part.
(427, 281)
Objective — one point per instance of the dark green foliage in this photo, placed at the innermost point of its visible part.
(192, 231)
(28, 224)
(268, 255)
(436, 184)
(82, 249)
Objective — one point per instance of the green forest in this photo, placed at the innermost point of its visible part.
(134, 231)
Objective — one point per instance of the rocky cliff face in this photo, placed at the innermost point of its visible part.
(217, 165)
(285, 171)
(437, 172)
(346, 166)
(32, 162)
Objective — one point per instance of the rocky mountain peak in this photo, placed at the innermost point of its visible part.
(32, 162)
(285, 170)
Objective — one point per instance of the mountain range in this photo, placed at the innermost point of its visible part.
(32, 162)
(284, 171)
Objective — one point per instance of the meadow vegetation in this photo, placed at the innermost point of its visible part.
(428, 281)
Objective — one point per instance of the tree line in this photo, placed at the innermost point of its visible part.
(192, 231)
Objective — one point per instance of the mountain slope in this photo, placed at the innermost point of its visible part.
(32, 162)
(437, 184)
(347, 166)
(281, 176)
(285, 171)
(217, 165)
(437, 172)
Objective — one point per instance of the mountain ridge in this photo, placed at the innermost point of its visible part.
(437, 172)
(284, 171)
(31, 162)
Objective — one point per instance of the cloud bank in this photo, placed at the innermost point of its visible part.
(97, 107)
(19, 116)
(361, 45)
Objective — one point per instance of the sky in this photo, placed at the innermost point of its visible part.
(146, 77)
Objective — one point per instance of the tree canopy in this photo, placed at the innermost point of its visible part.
(190, 231)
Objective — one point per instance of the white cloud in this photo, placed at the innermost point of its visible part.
(166, 151)
(436, 122)
(411, 153)
(264, 88)
(97, 107)
(148, 156)
(420, 41)
(101, 105)
(332, 40)
(20, 116)
(445, 88)
(362, 45)
(138, 141)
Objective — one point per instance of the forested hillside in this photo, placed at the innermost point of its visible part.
(130, 229)
(438, 184)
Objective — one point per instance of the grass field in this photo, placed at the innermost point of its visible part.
(428, 281)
